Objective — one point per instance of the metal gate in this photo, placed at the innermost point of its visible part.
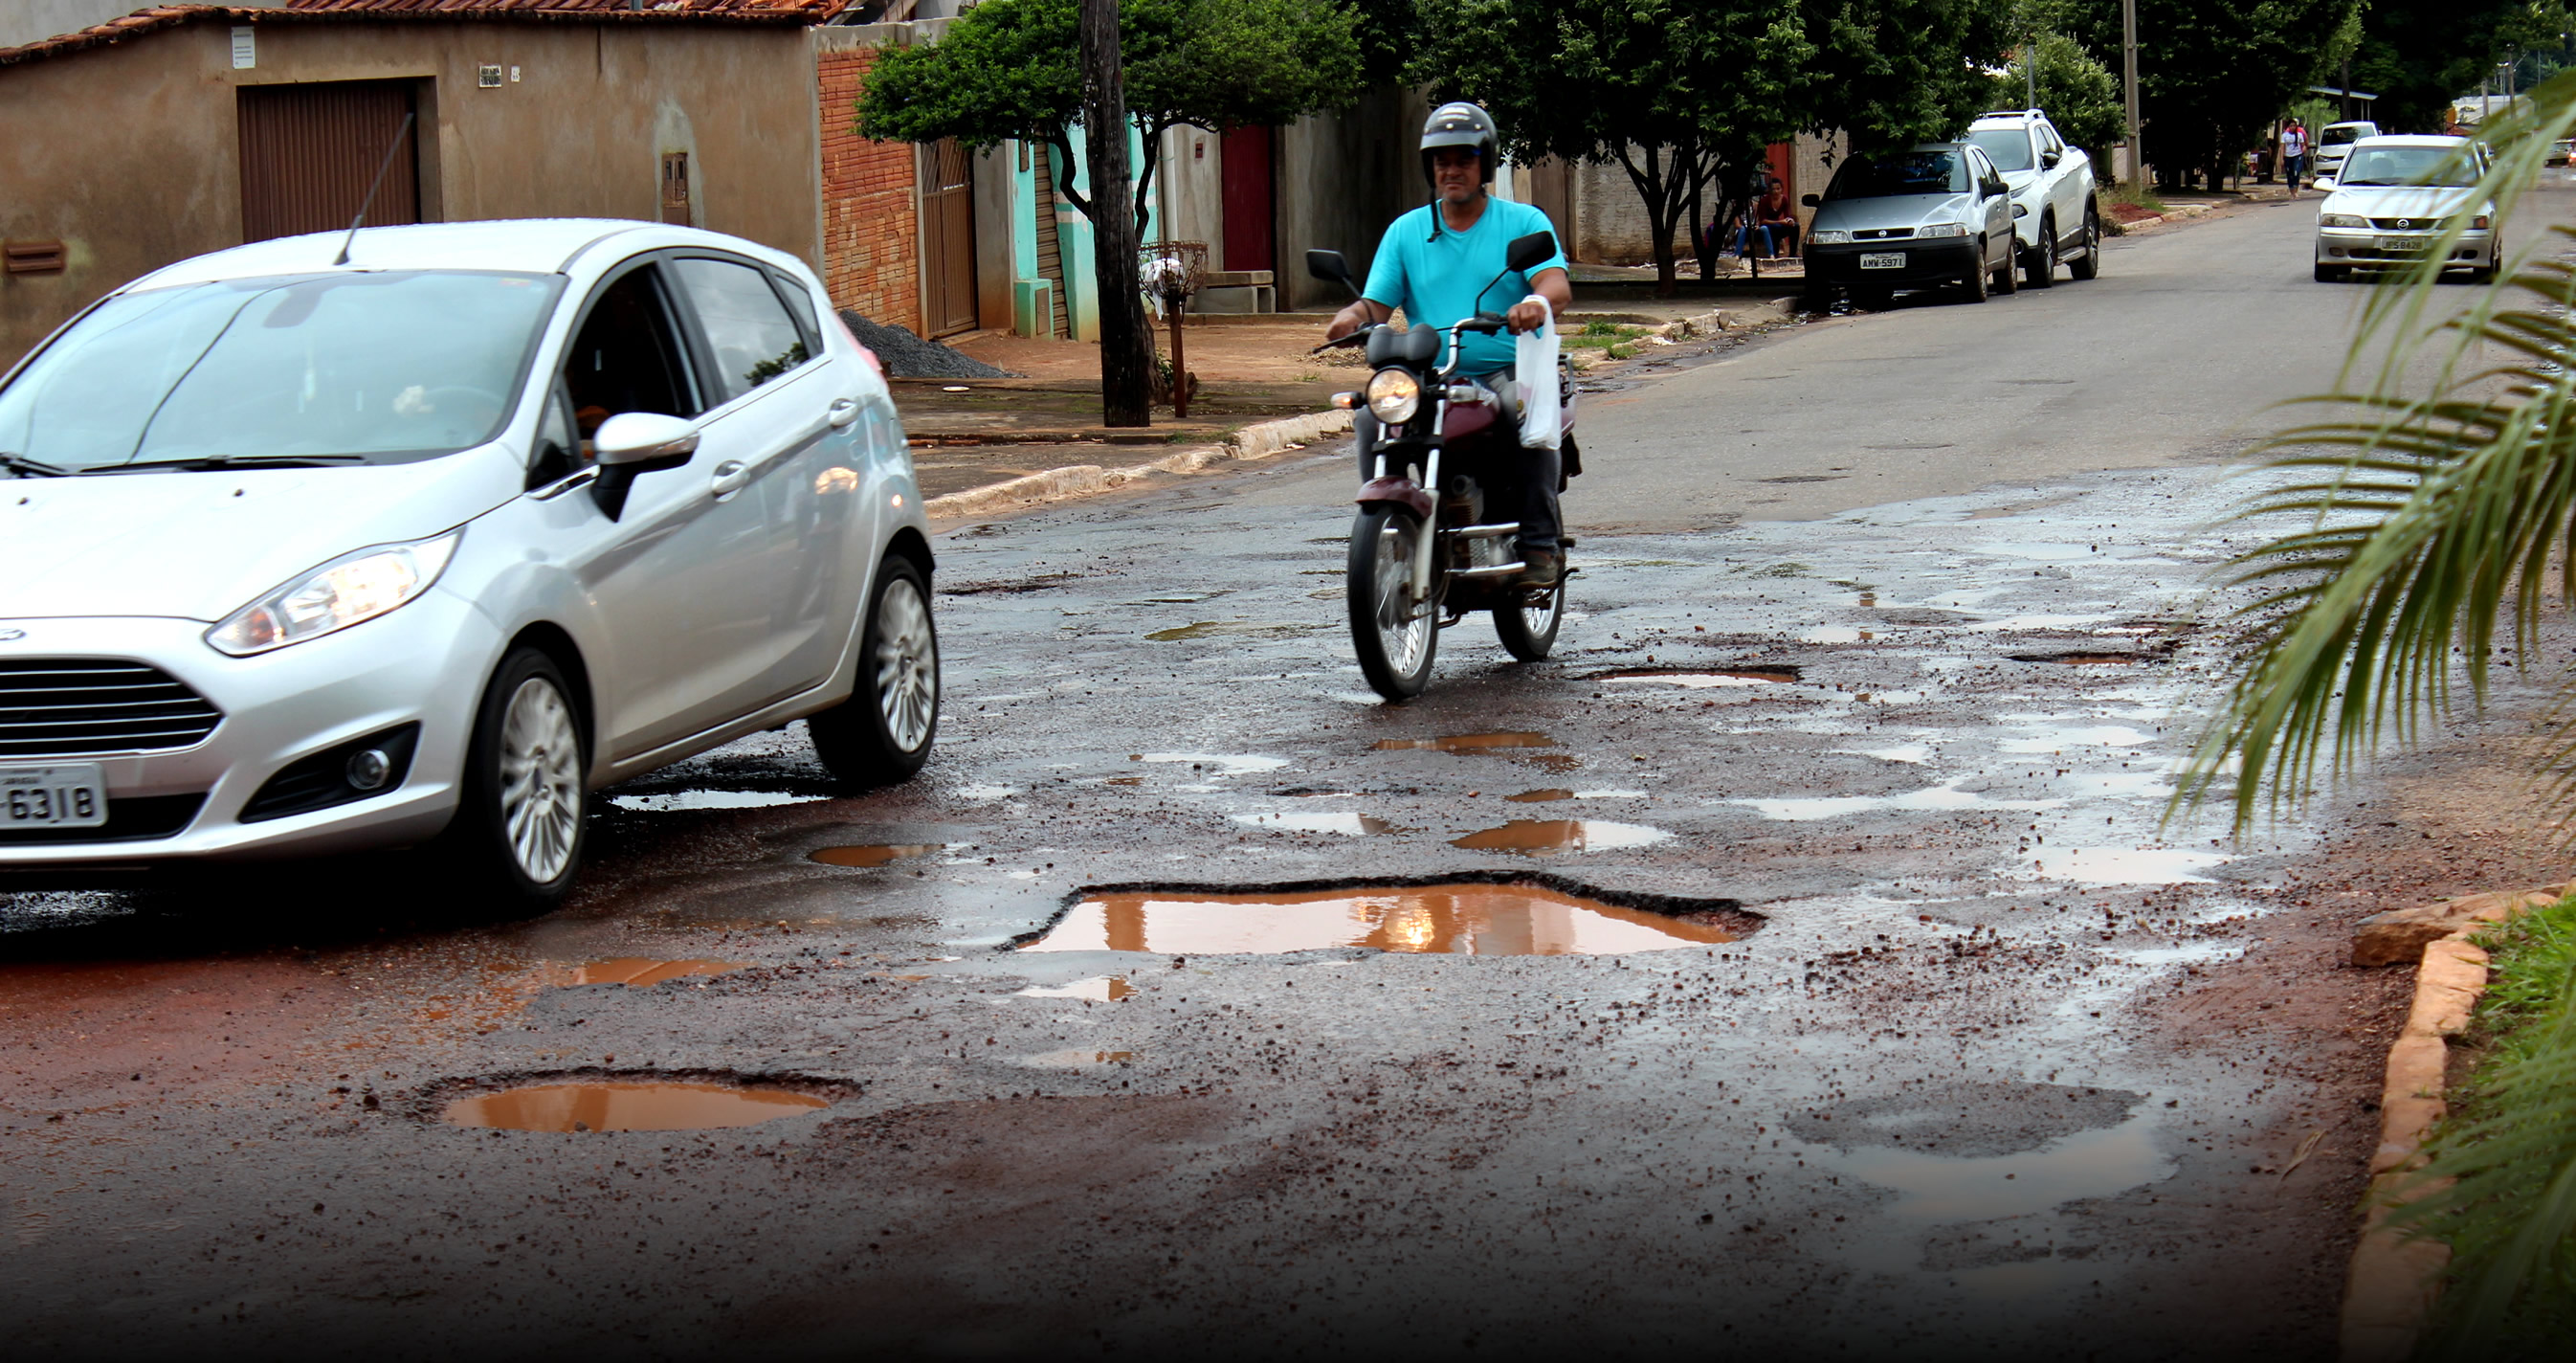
(1050, 247)
(308, 153)
(947, 238)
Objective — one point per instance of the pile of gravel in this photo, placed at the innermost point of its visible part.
(906, 356)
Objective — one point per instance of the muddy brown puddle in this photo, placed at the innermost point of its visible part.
(1458, 743)
(1458, 919)
(636, 972)
(874, 854)
(1538, 837)
(646, 1105)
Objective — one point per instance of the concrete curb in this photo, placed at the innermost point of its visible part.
(1257, 441)
(2393, 1280)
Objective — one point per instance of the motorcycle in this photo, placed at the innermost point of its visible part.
(1420, 545)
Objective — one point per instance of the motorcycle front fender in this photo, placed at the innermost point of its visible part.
(1394, 489)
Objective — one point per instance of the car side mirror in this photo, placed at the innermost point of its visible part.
(1332, 269)
(2048, 160)
(644, 441)
(1527, 251)
(1809, 200)
(634, 443)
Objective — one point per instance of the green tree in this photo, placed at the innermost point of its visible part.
(1006, 69)
(2080, 95)
(2212, 77)
(2427, 513)
(1681, 95)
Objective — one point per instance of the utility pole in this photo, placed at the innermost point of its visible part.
(1126, 345)
(2129, 77)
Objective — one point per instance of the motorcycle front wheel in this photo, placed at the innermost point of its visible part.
(1394, 636)
(1528, 631)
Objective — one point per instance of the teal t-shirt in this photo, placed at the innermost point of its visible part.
(1434, 280)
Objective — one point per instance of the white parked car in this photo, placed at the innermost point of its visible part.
(299, 556)
(2054, 217)
(2402, 197)
(2334, 142)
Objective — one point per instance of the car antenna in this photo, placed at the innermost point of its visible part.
(374, 185)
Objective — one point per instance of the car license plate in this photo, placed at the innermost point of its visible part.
(1883, 260)
(73, 795)
(2408, 244)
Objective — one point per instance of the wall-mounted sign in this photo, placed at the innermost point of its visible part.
(489, 77)
(245, 48)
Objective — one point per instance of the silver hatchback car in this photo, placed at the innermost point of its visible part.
(1937, 213)
(314, 550)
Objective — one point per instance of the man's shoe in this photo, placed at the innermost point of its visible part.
(1539, 568)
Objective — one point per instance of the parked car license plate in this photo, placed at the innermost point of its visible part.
(1882, 260)
(71, 795)
(2404, 243)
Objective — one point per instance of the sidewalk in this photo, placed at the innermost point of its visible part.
(1253, 371)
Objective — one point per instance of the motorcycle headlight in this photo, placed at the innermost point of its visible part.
(2341, 220)
(1394, 396)
(347, 590)
(1829, 237)
(1943, 229)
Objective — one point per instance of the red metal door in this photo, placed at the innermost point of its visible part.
(1250, 234)
(309, 151)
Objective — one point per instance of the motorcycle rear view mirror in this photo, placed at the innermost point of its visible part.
(1331, 268)
(1527, 251)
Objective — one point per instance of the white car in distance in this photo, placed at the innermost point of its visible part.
(2334, 141)
(2401, 199)
(313, 551)
(2054, 216)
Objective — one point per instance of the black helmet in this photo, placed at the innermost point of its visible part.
(1460, 124)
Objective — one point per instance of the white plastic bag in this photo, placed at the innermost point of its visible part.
(1534, 365)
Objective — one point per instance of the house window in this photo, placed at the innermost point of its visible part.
(675, 188)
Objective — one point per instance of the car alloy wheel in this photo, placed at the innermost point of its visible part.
(907, 665)
(540, 787)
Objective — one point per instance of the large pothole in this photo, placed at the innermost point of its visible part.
(1466, 916)
(583, 1102)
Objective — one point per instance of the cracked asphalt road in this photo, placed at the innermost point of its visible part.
(2001, 1068)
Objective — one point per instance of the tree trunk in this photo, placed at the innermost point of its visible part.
(1126, 346)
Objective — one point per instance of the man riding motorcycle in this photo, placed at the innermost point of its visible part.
(1433, 261)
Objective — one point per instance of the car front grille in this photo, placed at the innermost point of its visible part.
(2411, 224)
(85, 707)
(1882, 233)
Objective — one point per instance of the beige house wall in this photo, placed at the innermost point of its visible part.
(129, 153)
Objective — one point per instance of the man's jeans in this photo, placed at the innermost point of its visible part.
(1538, 473)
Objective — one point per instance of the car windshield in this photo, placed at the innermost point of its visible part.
(2339, 135)
(1903, 172)
(378, 368)
(2009, 148)
(2408, 166)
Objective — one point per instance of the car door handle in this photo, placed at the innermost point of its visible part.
(729, 478)
(844, 411)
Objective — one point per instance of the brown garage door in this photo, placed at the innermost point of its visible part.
(308, 153)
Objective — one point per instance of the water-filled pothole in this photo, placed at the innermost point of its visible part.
(1460, 743)
(2086, 659)
(874, 854)
(637, 972)
(1099, 988)
(1516, 918)
(1554, 793)
(626, 1105)
(1348, 825)
(1540, 836)
(1704, 679)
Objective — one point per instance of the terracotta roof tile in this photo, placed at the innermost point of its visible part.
(159, 17)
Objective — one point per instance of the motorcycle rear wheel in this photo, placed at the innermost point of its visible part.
(1529, 632)
(1395, 638)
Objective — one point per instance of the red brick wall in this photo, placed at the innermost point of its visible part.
(871, 223)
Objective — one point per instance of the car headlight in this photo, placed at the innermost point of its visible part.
(1943, 229)
(1394, 395)
(2341, 220)
(2479, 223)
(347, 590)
(1829, 237)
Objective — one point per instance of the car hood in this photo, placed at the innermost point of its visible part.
(2397, 201)
(2019, 180)
(199, 546)
(1894, 210)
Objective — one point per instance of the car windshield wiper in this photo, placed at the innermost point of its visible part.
(20, 466)
(211, 462)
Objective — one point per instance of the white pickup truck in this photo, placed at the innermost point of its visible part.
(2054, 217)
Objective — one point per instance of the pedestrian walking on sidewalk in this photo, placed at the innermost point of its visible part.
(2294, 152)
